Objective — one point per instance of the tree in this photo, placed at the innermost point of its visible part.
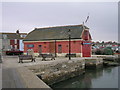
(98, 52)
(108, 51)
(104, 51)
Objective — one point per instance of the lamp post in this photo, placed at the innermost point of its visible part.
(69, 33)
(55, 49)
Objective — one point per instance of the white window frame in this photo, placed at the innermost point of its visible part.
(15, 46)
(15, 41)
(11, 46)
(4, 36)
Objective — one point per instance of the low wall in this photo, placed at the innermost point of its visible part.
(108, 57)
(93, 62)
(30, 80)
(59, 71)
(59, 54)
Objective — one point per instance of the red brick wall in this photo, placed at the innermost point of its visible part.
(45, 47)
(75, 46)
(86, 49)
(86, 35)
(12, 42)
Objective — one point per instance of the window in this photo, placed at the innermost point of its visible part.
(15, 41)
(4, 36)
(30, 45)
(3, 47)
(23, 36)
(59, 48)
(15, 46)
(40, 48)
(44, 46)
(11, 46)
(74, 41)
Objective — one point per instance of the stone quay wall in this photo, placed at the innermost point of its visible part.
(108, 57)
(30, 80)
(59, 71)
(93, 63)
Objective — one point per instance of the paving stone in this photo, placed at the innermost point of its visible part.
(10, 79)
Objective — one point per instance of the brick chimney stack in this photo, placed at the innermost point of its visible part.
(17, 32)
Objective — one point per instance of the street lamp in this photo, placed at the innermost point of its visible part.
(69, 33)
(55, 49)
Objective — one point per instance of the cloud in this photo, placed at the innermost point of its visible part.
(26, 16)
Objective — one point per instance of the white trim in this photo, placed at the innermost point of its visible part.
(82, 33)
(60, 1)
(15, 41)
(59, 54)
(53, 40)
(87, 29)
(79, 55)
(11, 46)
(15, 46)
(63, 54)
(35, 54)
(88, 34)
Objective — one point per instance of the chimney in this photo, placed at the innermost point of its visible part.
(17, 32)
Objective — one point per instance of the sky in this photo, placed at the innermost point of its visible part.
(25, 16)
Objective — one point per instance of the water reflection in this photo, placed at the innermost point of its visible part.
(102, 78)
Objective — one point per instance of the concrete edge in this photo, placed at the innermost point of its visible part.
(30, 80)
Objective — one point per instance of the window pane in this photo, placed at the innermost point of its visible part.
(30, 45)
(4, 36)
(15, 41)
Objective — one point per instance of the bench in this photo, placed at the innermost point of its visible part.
(25, 57)
(71, 55)
(44, 56)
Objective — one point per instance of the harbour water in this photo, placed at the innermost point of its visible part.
(102, 78)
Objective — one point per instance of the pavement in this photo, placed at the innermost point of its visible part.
(12, 61)
(9, 77)
(8, 70)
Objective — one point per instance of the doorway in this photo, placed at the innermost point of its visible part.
(40, 49)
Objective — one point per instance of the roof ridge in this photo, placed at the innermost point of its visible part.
(58, 26)
(6, 33)
(10, 33)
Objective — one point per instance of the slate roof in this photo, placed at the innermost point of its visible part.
(55, 33)
(10, 36)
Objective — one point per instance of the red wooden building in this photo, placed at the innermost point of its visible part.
(56, 40)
